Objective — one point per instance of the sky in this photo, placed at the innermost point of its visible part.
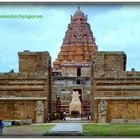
(115, 27)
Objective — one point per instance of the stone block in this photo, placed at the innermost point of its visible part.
(27, 121)
(117, 121)
(125, 121)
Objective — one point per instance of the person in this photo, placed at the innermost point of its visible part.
(64, 115)
(1, 127)
(88, 114)
(49, 117)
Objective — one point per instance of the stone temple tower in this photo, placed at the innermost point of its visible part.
(71, 69)
(78, 43)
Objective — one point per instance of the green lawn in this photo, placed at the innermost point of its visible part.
(42, 128)
(111, 130)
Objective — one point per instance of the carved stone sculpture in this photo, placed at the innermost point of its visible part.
(102, 111)
(75, 104)
(39, 112)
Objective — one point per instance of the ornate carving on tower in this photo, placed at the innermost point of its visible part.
(78, 43)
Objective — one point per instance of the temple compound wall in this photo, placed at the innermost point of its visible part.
(115, 92)
(26, 95)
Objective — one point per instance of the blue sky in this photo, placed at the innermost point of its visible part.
(115, 27)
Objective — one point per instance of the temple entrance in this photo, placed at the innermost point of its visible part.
(76, 110)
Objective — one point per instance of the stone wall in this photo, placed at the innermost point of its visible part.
(109, 64)
(27, 94)
(69, 71)
(34, 61)
(127, 108)
(122, 96)
(120, 109)
(72, 71)
(19, 109)
(117, 88)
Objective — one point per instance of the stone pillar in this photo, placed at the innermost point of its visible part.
(102, 111)
(39, 112)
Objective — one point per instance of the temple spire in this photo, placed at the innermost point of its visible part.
(79, 32)
(78, 43)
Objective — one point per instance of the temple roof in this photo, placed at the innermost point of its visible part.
(79, 32)
(79, 15)
(78, 44)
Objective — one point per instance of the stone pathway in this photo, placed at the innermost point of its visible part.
(59, 129)
(22, 131)
(66, 129)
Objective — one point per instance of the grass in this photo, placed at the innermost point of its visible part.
(111, 130)
(42, 128)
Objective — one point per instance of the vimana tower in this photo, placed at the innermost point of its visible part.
(71, 69)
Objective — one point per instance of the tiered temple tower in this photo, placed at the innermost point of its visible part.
(78, 43)
(71, 70)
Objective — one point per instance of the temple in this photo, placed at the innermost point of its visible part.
(82, 80)
(78, 43)
(71, 70)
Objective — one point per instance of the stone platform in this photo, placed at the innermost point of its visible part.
(73, 120)
(66, 129)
